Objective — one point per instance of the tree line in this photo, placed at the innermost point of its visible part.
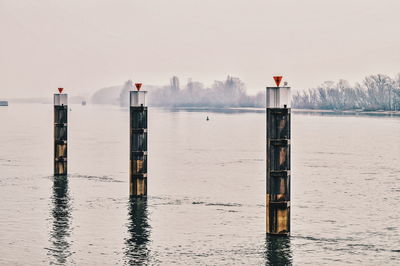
(375, 92)
(230, 92)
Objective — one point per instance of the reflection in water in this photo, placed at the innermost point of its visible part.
(278, 250)
(61, 213)
(137, 252)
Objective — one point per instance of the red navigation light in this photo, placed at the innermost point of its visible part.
(278, 80)
(138, 86)
(60, 89)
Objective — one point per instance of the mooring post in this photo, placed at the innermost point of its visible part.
(138, 143)
(60, 132)
(278, 159)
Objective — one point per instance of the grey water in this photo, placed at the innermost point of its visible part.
(206, 203)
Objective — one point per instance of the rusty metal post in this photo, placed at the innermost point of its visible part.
(60, 133)
(278, 161)
(138, 143)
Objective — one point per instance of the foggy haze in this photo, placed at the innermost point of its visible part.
(86, 45)
(228, 93)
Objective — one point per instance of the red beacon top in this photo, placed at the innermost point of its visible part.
(278, 80)
(138, 86)
(60, 90)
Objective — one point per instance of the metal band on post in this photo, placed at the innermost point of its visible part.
(138, 143)
(60, 133)
(278, 160)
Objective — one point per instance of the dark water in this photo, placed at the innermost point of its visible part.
(206, 201)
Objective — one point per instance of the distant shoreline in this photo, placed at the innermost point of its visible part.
(297, 111)
(347, 112)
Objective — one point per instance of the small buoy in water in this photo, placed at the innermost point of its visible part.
(207, 118)
(70, 109)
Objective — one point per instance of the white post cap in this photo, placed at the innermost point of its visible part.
(278, 97)
(60, 99)
(138, 98)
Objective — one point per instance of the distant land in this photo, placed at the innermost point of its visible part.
(228, 93)
(374, 94)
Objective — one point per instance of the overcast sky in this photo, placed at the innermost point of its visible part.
(84, 45)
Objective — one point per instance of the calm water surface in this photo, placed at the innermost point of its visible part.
(206, 201)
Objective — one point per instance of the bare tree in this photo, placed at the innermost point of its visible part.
(376, 92)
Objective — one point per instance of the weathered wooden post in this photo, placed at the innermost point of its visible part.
(60, 132)
(278, 159)
(138, 143)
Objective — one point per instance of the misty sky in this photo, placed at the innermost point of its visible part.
(84, 45)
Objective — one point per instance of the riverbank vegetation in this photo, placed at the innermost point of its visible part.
(374, 93)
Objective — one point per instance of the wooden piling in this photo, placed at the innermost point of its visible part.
(278, 167)
(60, 133)
(138, 144)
